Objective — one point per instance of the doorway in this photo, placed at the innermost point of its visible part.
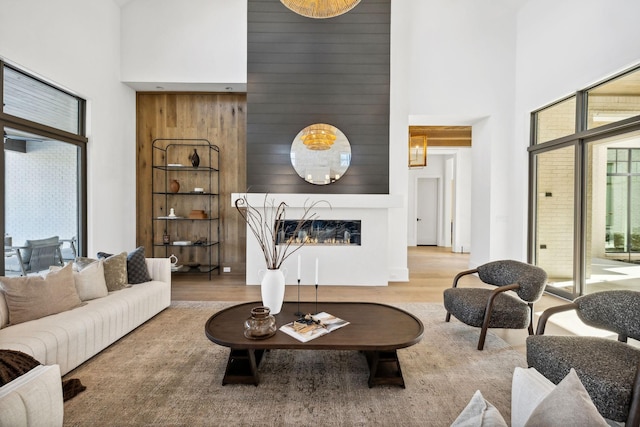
(427, 212)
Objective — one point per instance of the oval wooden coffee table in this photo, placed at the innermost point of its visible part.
(377, 330)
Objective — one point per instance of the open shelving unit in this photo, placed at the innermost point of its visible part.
(186, 217)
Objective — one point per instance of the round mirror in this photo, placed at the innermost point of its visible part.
(320, 154)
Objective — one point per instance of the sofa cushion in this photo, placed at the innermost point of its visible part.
(33, 297)
(568, 404)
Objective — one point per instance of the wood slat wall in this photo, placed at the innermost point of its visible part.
(303, 71)
(220, 118)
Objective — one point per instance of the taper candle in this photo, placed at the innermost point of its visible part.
(316, 271)
(299, 266)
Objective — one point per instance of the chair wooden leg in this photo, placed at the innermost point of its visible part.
(530, 318)
(483, 335)
(448, 317)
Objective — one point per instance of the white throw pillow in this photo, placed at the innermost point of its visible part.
(479, 413)
(90, 281)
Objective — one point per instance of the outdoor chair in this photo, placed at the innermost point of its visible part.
(492, 307)
(607, 368)
(38, 255)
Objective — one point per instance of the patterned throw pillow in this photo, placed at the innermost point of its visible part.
(137, 271)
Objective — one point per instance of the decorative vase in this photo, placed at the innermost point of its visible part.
(195, 159)
(260, 325)
(174, 186)
(272, 290)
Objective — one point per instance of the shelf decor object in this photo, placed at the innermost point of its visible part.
(200, 208)
(320, 9)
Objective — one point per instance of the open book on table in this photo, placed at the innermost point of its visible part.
(317, 325)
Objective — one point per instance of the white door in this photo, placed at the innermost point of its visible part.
(427, 212)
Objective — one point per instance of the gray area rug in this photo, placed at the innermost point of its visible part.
(167, 373)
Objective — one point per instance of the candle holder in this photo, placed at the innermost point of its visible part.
(298, 313)
(316, 297)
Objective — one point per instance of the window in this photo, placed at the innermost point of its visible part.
(623, 200)
(615, 100)
(556, 121)
(585, 198)
(42, 162)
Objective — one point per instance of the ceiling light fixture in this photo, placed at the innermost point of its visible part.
(318, 137)
(320, 9)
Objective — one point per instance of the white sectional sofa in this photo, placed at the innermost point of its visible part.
(69, 338)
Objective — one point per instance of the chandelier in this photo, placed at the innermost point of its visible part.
(320, 9)
(318, 136)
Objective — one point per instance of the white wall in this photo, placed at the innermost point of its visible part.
(76, 44)
(193, 43)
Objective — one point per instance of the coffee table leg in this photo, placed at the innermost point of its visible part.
(242, 367)
(384, 368)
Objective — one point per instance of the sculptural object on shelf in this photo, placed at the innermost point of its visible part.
(195, 159)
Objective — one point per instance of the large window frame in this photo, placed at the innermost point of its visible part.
(581, 139)
(78, 139)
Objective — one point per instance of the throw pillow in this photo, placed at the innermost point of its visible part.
(479, 413)
(82, 262)
(33, 297)
(115, 271)
(137, 271)
(90, 281)
(4, 310)
(568, 404)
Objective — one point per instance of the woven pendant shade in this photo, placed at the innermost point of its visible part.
(320, 9)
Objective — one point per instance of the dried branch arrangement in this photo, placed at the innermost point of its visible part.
(266, 221)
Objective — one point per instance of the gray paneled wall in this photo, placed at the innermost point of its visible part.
(303, 71)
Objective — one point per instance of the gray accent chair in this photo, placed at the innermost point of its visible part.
(492, 307)
(608, 369)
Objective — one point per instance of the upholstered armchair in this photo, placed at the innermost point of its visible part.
(607, 368)
(495, 308)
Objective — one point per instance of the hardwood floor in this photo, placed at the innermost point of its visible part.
(431, 270)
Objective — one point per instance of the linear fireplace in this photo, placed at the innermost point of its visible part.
(321, 232)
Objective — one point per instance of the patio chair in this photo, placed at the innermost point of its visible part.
(493, 308)
(608, 369)
(38, 255)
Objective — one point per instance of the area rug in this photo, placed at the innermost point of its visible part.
(167, 373)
